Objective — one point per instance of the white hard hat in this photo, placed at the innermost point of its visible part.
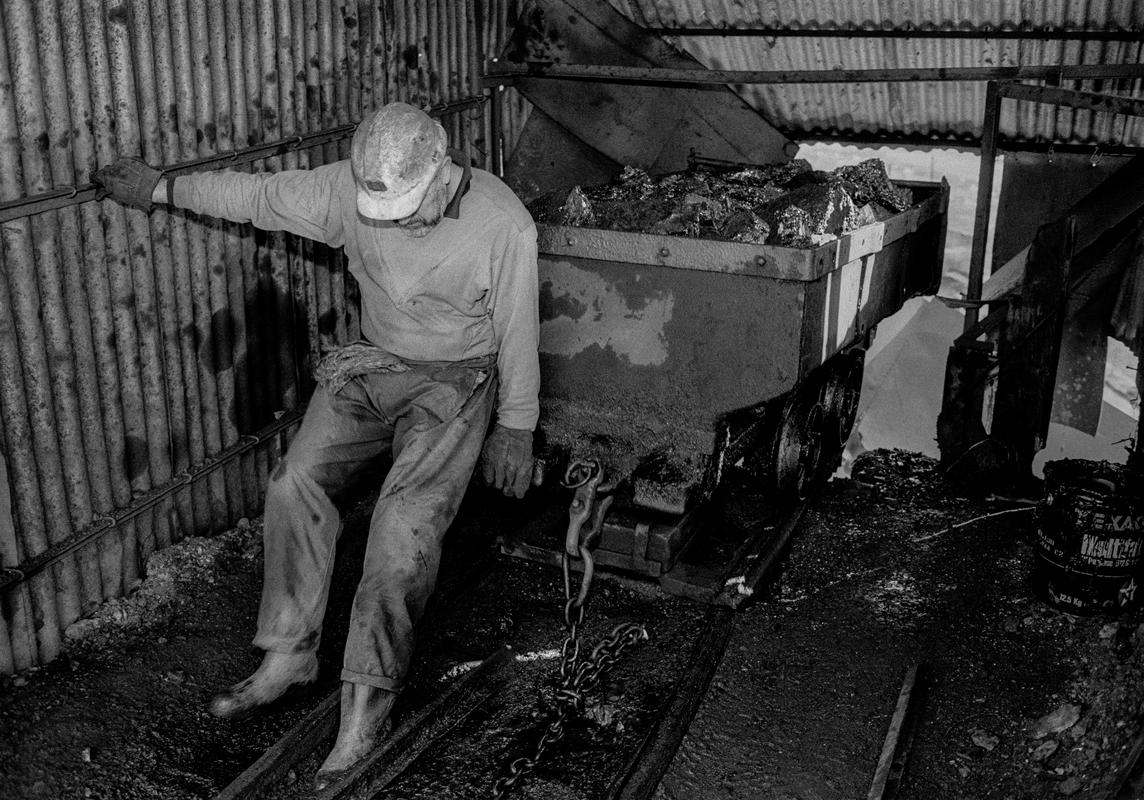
(395, 154)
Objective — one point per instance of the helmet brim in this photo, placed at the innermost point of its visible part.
(386, 206)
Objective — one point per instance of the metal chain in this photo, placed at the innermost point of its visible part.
(577, 675)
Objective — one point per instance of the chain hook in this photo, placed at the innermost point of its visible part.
(579, 673)
(586, 515)
(579, 473)
(575, 603)
(588, 506)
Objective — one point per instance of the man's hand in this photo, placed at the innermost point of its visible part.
(507, 460)
(129, 181)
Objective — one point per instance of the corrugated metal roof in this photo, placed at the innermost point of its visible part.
(929, 109)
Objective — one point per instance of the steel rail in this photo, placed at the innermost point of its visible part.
(1130, 778)
(73, 195)
(500, 72)
(640, 777)
(791, 30)
(635, 778)
(419, 729)
(899, 736)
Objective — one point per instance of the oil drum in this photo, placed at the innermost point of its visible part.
(1090, 538)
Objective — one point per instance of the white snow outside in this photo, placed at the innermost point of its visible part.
(905, 366)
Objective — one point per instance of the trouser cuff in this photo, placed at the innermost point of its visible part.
(278, 644)
(377, 681)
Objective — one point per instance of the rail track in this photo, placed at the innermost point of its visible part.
(454, 737)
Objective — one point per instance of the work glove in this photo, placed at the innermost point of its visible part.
(129, 181)
(507, 460)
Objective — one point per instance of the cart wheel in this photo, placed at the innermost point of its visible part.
(845, 392)
(799, 444)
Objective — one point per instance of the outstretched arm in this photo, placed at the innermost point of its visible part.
(305, 202)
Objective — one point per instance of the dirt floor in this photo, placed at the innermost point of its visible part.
(1022, 701)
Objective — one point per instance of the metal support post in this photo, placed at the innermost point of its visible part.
(984, 199)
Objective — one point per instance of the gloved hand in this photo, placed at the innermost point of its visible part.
(507, 460)
(129, 181)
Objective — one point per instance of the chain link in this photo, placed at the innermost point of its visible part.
(578, 675)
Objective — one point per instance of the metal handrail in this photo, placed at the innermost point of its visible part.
(106, 523)
(64, 196)
(908, 31)
(499, 72)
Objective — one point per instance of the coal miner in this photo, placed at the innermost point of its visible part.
(445, 256)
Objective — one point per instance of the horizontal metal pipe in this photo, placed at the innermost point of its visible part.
(953, 142)
(145, 503)
(500, 72)
(1054, 95)
(1024, 33)
(73, 195)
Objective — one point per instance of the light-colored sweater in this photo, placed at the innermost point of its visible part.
(466, 289)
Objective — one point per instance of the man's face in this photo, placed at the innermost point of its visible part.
(432, 208)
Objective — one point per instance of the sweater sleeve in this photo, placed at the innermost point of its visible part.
(516, 326)
(305, 202)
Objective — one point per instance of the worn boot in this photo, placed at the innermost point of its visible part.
(278, 674)
(364, 723)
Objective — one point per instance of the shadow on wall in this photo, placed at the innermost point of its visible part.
(905, 367)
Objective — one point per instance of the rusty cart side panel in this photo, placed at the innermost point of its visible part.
(648, 340)
(635, 356)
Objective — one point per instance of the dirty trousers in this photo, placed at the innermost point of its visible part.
(433, 418)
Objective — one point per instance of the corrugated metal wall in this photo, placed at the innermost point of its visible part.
(915, 108)
(137, 350)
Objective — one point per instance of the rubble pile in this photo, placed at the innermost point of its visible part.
(790, 205)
